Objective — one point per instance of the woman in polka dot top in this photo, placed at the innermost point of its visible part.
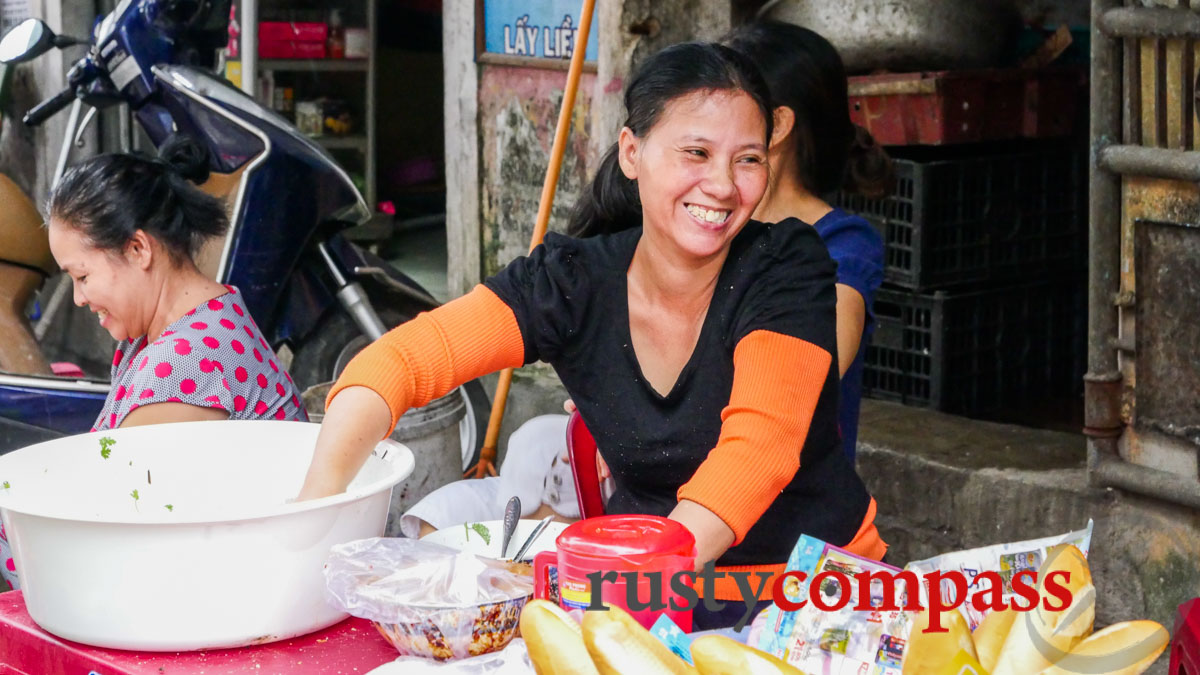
(126, 228)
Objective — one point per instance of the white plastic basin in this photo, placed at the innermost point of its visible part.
(232, 562)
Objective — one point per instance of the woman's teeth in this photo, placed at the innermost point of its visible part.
(102, 315)
(706, 215)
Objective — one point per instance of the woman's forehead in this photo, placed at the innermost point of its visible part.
(724, 109)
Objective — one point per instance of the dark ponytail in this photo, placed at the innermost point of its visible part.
(610, 203)
(869, 169)
(109, 197)
(805, 73)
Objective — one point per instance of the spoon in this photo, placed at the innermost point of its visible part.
(537, 531)
(512, 514)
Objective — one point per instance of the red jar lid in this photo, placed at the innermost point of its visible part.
(627, 536)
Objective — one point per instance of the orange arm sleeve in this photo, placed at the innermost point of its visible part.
(777, 380)
(439, 350)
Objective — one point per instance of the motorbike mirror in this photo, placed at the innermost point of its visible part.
(28, 40)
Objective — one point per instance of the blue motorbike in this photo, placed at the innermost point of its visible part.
(314, 294)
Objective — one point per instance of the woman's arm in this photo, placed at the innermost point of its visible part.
(354, 422)
(713, 536)
(171, 411)
(777, 381)
(413, 364)
(851, 319)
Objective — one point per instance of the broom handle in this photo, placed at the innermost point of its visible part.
(549, 186)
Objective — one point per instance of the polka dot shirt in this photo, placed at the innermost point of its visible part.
(213, 357)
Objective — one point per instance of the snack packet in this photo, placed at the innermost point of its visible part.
(1006, 559)
(845, 640)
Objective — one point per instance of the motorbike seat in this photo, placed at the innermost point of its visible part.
(223, 186)
(23, 240)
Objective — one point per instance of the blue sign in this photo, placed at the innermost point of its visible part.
(540, 29)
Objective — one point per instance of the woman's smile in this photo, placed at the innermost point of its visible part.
(708, 218)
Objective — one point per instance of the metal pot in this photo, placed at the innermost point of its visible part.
(907, 35)
(231, 562)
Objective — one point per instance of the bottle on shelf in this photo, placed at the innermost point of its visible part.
(337, 35)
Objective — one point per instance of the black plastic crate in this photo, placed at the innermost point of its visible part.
(971, 214)
(976, 352)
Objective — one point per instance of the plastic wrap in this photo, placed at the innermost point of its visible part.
(426, 599)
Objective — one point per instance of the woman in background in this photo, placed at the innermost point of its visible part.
(815, 150)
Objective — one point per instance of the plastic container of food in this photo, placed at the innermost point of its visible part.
(426, 599)
(655, 548)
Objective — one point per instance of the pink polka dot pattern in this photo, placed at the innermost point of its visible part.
(180, 370)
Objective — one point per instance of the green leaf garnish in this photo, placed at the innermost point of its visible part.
(482, 531)
(134, 494)
(5, 485)
(169, 507)
(106, 444)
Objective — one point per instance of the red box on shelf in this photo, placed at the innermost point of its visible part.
(966, 106)
(292, 31)
(284, 49)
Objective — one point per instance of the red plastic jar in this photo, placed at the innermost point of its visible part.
(654, 548)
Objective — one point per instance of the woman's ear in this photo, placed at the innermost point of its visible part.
(784, 121)
(628, 147)
(138, 250)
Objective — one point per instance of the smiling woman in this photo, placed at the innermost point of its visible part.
(125, 228)
(699, 345)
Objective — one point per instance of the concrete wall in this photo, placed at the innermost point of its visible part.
(945, 483)
(518, 112)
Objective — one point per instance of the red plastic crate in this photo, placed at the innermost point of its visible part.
(966, 106)
(352, 646)
(275, 49)
(292, 31)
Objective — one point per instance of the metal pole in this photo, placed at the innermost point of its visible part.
(1102, 383)
(487, 455)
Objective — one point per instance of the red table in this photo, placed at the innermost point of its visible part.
(352, 646)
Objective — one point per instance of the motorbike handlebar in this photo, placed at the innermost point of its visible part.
(42, 111)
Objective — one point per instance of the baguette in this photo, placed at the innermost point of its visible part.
(933, 652)
(554, 640)
(719, 655)
(1040, 637)
(1121, 649)
(989, 636)
(619, 645)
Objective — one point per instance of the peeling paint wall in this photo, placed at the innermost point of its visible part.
(518, 112)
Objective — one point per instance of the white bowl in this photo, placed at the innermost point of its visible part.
(232, 562)
(464, 538)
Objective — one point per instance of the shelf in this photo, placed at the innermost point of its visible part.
(325, 65)
(348, 142)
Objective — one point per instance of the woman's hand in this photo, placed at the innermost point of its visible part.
(356, 419)
(713, 536)
(602, 471)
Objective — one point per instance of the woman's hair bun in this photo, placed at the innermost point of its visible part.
(186, 157)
